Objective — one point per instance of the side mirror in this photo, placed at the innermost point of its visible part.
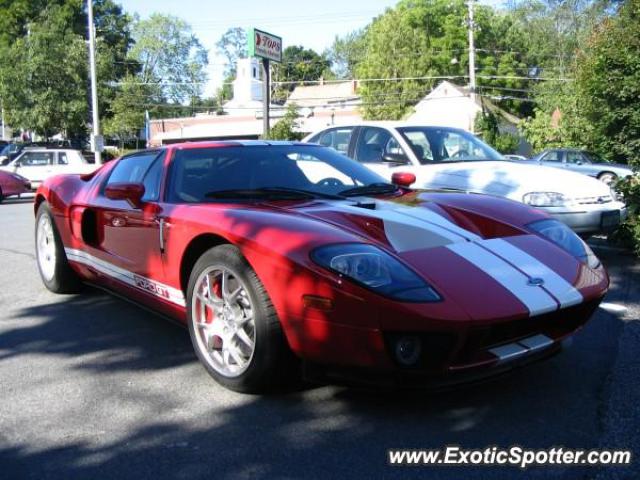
(403, 179)
(396, 158)
(130, 192)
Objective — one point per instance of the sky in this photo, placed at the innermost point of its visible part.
(307, 23)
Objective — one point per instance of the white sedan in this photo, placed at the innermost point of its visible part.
(38, 164)
(453, 159)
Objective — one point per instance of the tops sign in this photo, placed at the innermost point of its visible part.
(264, 45)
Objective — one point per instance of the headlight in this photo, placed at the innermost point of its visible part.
(546, 199)
(567, 239)
(376, 270)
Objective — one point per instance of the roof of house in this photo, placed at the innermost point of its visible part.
(461, 91)
(323, 94)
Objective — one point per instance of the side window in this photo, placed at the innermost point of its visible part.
(552, 156)
(62, 158)
(575, 157)
(336, 138)
(36, 159)
(132, 169)
(371, 144)
(152, 180)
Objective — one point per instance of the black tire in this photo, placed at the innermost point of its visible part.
(608, 177)
(1, 196)
(64, 279)
(272, 364)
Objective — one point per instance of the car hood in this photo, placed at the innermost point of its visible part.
(468, 255)
(511, 180)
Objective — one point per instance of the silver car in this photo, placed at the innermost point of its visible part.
(582, 161)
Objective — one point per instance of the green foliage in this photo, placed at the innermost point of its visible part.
(232, 45)
(628, 234)
(44, 76)
(345, 53)
(488, 126)
(40, 91)
(127, 117)
(608, 83)
(299, 64)
(169, 53)
(428, 38)
(286, 127)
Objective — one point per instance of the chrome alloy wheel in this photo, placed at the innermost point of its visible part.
(224, 325)
(46, 247)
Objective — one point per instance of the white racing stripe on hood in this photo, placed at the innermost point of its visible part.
(562, 290)
(410, 228)
(535, 298)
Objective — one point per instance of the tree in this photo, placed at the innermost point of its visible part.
(299, 64)
(287, 127)
(345, 53)
(170, 57)
(126, 117)
(608, 85)
(232, 45)
(428, 38)
(40, 91)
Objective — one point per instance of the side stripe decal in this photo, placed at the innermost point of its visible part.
(534, 298)
(145, 284)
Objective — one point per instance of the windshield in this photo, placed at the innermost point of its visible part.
(207, 174)
(435, 145)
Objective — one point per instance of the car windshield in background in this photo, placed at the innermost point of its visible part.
(436, 145)
(274, 172)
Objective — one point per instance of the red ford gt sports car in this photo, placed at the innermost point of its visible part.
(13, 184)
(283, 254)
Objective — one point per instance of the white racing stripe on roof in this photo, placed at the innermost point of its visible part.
(562, 290)
(145, 284)
(534, 298)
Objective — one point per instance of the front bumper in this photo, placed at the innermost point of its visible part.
(590, 218)
(453, 357)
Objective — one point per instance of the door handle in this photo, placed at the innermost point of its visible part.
(162, 225)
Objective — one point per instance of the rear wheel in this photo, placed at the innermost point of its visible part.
(233, 326)
(53, 265)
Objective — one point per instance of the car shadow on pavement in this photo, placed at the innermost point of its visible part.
(316, 432)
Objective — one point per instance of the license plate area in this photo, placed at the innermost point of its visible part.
(610, 220)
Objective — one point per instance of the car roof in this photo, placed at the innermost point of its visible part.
(45, 149)
(232, 143)
(391, 124)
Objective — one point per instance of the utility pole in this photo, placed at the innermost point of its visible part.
(472, 54)
(266, 91)
(96, 141)
(3, 132)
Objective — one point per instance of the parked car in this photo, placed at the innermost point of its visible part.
(279, 253)
(511, 156)
(582, 161)
(37, 164)
(453, 159)
(13, 184)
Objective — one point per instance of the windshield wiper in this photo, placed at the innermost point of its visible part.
(270, 192)
(371, 189)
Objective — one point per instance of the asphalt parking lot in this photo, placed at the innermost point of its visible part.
(93, 387)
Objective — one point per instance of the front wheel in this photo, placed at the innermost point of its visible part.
(55, 272)
(233, 326)
(608, 178)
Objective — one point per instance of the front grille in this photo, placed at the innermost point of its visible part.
(554, 324)
(594, 200)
